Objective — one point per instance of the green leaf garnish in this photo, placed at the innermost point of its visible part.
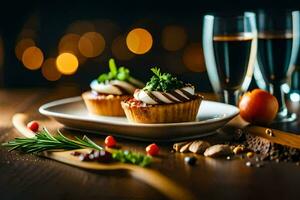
(115, 73)
(123, 74)
(112, 67)
(132, 157)
(162, 82)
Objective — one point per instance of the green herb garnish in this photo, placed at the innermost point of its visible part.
(44, 141)
(115, 73)
(132, 157)
(162, 82)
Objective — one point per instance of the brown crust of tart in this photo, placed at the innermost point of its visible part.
(165, 113)
(104, 104)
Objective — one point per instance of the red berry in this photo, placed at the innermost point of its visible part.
(110, 141)
(152, 149)
(33, 126)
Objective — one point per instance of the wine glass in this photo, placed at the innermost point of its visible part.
(278, 45)
(229, 45)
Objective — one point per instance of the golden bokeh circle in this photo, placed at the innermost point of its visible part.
(49, 70)
(139, 41)
(91, 44)
(69, 44)
(193, 57)
(67, 63)
(33, 58)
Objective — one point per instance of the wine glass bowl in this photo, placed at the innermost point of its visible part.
(229, 45)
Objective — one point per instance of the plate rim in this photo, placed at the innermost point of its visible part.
(43, 110)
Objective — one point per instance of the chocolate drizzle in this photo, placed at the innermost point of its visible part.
(189, 95)
(170, 98)
(178, 96)
(154, 98)
(159, 97)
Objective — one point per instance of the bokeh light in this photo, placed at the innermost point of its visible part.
(119, 49)
(295, 97)
(174, 38)
(49, 70)
(22, 45)
(91, 44)
(285, 88)
(139, 41)
(33, 58)
(193, 57)
(69, 44)
(67, 63)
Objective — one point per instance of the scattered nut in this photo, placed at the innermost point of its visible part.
(239, 149)
(177, 146)
(218, 150)
(250, 154)
(198, 146)
(185, 148)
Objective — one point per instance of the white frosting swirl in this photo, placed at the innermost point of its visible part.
(113, 87)
(157, 97)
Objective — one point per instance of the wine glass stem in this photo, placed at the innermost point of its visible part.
(230, 97)
(276, 90)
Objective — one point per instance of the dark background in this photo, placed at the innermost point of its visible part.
(53, 18)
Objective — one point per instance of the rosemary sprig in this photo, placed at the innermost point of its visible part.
(44, 141)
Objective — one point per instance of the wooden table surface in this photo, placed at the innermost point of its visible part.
(30, 177)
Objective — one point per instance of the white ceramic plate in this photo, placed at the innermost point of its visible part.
(72, 113)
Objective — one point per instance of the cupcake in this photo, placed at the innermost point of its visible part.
(109, 90)
(164, 99)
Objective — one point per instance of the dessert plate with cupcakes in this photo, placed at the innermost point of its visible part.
(163, 109)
